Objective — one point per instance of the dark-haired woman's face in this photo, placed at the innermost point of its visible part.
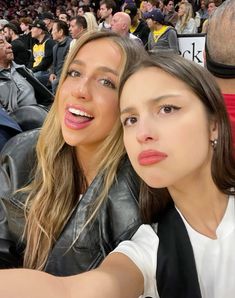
(166, 129)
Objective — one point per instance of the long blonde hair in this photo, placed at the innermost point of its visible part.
(59, 179)
(91, 21)
(188, 14)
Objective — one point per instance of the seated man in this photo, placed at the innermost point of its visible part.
(60, 34)
(21, 53)
(18, 87)
(42, 51)
(15, 91)
(121, 23)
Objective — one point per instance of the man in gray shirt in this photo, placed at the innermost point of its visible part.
(15, 91)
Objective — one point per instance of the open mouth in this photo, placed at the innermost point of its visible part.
(80, 116)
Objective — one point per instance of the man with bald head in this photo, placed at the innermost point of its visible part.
(220, 54)
(121, 23)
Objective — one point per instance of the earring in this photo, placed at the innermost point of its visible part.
(214, 143)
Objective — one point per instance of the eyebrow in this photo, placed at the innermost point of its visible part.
(100, 68)
(151, 101)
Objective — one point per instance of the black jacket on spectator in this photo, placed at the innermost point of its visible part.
(142, 31)
(21, 53)
(60, 51)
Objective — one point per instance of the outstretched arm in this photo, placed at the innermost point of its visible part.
(117, 277)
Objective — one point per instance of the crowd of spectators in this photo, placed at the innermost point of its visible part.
(101, 70)
(40, 34)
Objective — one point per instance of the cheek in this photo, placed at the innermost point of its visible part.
(195, 140)
(61, 98)
(131, 147)
(111, 113)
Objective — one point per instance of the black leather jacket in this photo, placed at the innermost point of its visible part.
(117, 219)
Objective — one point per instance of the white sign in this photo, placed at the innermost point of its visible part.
(192, 47)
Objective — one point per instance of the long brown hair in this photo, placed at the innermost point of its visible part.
(59, 179)
(154, 201)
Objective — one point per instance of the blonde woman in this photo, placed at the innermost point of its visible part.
(186, 23)
(91, 21)
(83, 198)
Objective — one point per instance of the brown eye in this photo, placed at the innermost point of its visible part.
(129, 121)
(168, 109)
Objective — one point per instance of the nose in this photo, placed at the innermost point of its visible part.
(8, 45)
(146, 132)
(81, 89)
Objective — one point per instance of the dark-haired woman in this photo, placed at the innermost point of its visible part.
(178, 138)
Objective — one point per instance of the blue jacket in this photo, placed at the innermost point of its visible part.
(8, 127)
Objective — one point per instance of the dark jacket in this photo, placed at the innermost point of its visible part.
(21, 53)
(142, 31)
(60, 51)
(117, 220)
(8, 127)
(176, 273)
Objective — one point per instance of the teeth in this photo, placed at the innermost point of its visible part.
(79, 113)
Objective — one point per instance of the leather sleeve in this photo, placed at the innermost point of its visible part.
(120, 217)
(17, 162)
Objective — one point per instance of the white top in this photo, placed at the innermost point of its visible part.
(104, 25)
(190, 28)
(215, 259)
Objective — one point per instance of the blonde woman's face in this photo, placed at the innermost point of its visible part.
(181, 10)
(166, 129)
(88, 98)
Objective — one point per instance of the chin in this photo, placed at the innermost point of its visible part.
(154, 182)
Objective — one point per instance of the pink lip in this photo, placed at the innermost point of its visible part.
(150, 157)
(75, 122)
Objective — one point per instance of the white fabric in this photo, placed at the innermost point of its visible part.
(142, 250)
(104, 25)
(215, 259)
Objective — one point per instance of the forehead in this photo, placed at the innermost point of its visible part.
(211, 5)
(35, 28)
(103, 6)
(103, 46)
(149, 83)
(55, 26)
(73, 23)
(108, 55)
(6, 29)
(116, 17)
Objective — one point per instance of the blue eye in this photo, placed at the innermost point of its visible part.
(73, 73)
(129, 121)
(108, 83)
